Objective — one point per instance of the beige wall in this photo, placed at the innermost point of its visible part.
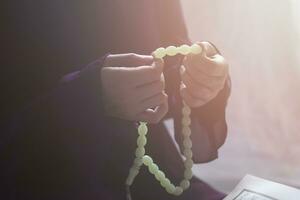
(260, 38)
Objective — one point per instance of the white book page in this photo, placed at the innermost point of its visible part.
(253, 188)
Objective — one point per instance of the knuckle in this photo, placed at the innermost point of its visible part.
(132, 55)
(131, 58)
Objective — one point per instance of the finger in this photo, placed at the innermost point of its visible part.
(209, 49)
(127, 60)
(209, 61)
(195, 89)
(218, 65)
(153, 102)
(201, 79)
(151, 89)
(154, 116)
(212, 66)
(189, 99)
(146, 74)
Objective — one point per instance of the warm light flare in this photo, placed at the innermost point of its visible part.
(261, 41)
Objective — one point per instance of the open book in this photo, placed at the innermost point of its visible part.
(253, 188)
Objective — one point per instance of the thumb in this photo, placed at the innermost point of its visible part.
(208, 49)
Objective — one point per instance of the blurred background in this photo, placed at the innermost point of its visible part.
(261, 40)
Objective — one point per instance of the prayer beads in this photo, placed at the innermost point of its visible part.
(172, 50)
(141, 158)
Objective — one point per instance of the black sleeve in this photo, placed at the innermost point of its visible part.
(51, 146)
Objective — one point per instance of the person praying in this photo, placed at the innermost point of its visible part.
(80, 76)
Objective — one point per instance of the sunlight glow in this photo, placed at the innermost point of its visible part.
(261, 41)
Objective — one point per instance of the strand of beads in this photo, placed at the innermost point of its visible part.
(139, 153)
(172, 50)
(141, 158)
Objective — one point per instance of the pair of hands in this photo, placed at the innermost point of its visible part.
(133, 85)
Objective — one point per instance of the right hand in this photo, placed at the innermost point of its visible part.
(133, 88)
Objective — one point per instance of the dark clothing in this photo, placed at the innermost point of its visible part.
(63, 146)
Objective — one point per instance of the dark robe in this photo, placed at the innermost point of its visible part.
(56, 141)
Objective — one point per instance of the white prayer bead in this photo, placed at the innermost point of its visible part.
(147, 160)
(129, 180)
(171, 51)
(188, 174)
(185, 184)
(188, 153)
(170, 188)
(188, 163)
(142, 129)
(186, 121)
(160, 175)
(141, 141)
(133, 171)
(159, 53)
(138, 162)
(186, 111)
(153, 168)
(178, 191)
(184, 49)
(196, 49)
(186, 131)
(141, 158)
(187, 143)
(164, 182)
(140, 152)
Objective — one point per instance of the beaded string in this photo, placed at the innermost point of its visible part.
(140, 156)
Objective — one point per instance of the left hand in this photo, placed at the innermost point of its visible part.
(203, 76)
